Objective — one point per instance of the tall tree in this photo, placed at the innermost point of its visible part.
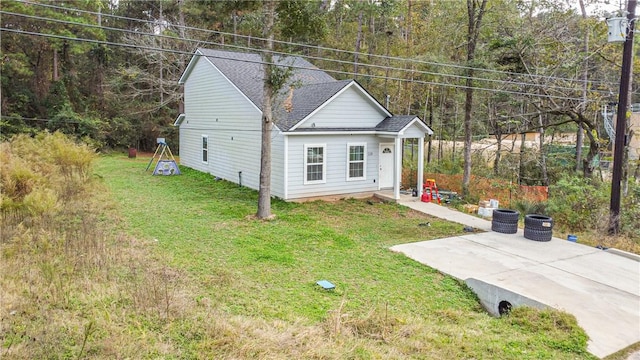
(42, 75)
(585, 86)
(264, 193)
(475, 11)
(275, 77)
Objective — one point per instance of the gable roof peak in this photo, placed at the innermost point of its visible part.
(245, 71)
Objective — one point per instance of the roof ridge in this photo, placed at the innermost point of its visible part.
(244, 70)
(334, 82)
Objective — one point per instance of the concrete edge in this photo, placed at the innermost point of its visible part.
(496, 299)
(623, 253)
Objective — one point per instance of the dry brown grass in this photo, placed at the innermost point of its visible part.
(70, 284)
(620, 242)
(74, 286)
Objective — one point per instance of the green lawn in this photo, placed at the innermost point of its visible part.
(247, 287)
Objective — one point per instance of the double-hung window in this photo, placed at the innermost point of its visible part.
(315, 162)
(205, 148)
(356, 161)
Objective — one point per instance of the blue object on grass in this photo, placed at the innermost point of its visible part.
(326, 285)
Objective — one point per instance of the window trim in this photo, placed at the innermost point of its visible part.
(363, 161)
(203, 149)
(306, 164)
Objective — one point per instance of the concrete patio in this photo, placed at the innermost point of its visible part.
(600, 288)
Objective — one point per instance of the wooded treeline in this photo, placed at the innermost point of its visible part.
(108, 70)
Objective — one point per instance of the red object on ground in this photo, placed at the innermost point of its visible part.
(427, 192)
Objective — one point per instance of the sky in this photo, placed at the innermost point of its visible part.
(602, 7)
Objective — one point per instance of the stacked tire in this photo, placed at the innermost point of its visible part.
(505, 221)
(538, 227)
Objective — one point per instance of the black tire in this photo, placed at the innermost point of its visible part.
(506, 216)
(504, 228)
(538, 222)
(537, 235)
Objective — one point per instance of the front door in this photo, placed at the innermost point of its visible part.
(386, 166)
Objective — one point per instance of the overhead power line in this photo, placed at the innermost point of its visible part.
(414, 81)
(364, 65)
(384, 57)
(374, 66)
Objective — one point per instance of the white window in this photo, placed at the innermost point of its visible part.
(205, 149)
(356, 161)
(315, 164)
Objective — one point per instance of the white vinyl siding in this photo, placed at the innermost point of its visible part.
(214, 108)
(315, 164)
(205, 149)
(356, 161)
(277, 165)
(413, 131)
(336, 165)
(351, 109)
(231, 123)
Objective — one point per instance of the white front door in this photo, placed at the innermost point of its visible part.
(386, 166)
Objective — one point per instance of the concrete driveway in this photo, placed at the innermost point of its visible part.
(600, 288)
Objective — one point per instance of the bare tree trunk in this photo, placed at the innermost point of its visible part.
(520, 169)
(161, 56)
(234, 15)
(498, 135)
(55, 77)
(496, 160)
(543, 157)
(264, 193)
(455, 137)
(408, 88)
(442, 103)
(358, 43)
(475, 14)
(585, 73)
(372, 42)
(181, 19)
(386, 70)
(594, 149)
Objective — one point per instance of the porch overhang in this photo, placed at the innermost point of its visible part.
(397, 164)
(399, 128)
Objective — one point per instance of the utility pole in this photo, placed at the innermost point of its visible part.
(621, 121)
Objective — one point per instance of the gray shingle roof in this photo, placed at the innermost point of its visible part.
(245, 71)
(336, 129)
(312, 87)
(395, 123)
(306, 99)
(389, 124)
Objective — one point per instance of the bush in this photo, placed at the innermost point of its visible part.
(449, 163)
(67, 121)
(36, 172)
(578, 204)
(121, 133)
(531, 207)
(630, 212)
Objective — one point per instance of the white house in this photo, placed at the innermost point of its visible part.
(330, 137)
